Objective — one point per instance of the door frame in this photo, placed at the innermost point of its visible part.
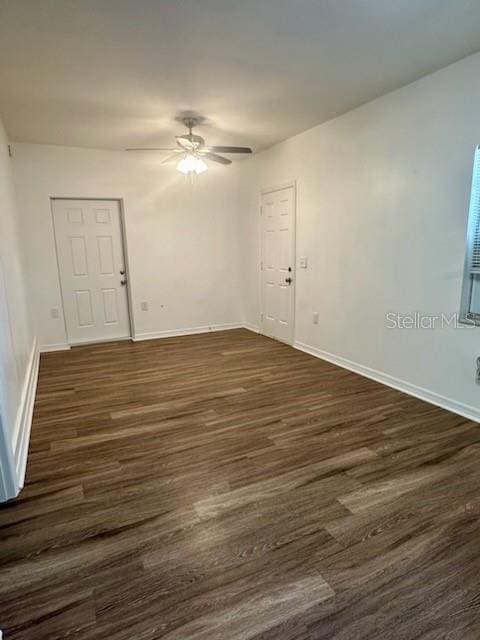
(8, 474)
(264, 191)
(121, 209)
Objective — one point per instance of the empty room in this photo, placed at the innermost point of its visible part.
(239, 320)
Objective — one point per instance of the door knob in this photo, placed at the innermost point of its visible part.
(288, 280)
(122, 272)
(123, 282)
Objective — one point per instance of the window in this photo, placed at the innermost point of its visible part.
(470, 305)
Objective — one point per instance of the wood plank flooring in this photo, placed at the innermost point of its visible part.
(227, 487)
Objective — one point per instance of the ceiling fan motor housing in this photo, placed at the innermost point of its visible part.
(191, 141)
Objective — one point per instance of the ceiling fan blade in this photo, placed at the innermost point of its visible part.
(216, 158)
(230, 149)
(153, 149)
(173, 157)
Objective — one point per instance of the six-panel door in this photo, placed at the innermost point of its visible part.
(278, 261)
(91, 263)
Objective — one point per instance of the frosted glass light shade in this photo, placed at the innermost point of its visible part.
(191, 164)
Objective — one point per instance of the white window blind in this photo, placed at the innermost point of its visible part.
(470, 304)
(473, 234)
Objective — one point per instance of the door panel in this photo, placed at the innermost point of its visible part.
(110, 306)
(278, 261)
(84, 308)
(75, 216)
(78, 252)
(102, 216)
(88, 235)
(105, 255)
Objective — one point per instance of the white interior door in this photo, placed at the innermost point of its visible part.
(278, 263)
(91, 261)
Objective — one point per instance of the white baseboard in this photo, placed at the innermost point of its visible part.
(21, 435)
(90, 343)
(251, 327)
(465, 410)
(187, 331)
(61, 346)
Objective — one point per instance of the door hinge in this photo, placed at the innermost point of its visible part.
(261, 265)
(10, 150)
(261, 317)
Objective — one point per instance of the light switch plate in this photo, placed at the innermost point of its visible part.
(303, 262)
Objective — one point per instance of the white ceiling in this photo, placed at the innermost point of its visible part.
(115, 73)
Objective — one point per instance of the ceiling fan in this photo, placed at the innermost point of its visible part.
(191, 151)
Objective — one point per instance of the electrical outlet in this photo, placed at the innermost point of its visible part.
(144, 305)
(316, 317)
(55, 313)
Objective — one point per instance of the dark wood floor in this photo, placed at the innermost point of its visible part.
(228, 487)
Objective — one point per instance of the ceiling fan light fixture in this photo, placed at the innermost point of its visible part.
(192, 150)
(191, 164)
(201, 166)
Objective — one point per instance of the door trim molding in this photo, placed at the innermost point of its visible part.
(22, 434)
(14, 447)
(126, 257)
(292, 184)
(286, 185)
(8, 481)
(123, 231)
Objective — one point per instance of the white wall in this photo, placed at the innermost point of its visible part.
(182, 239)
(382, 198)
(17, 344)
(382, 201)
